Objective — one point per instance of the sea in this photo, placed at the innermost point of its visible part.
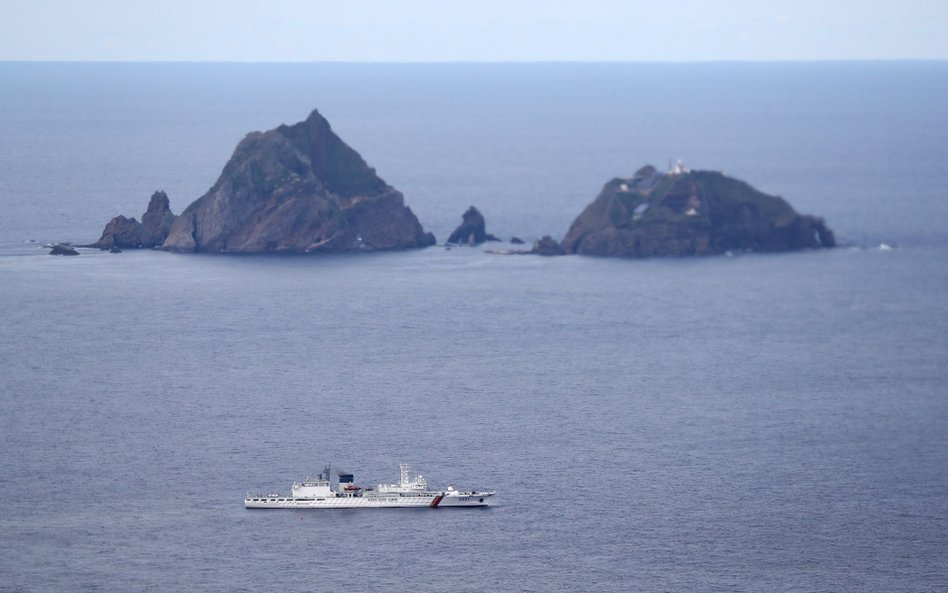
(744, 422)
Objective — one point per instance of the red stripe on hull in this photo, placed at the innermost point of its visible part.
(436, 501)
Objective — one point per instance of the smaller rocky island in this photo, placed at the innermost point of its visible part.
(683, 212)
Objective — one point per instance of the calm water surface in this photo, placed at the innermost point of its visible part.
(752, 423)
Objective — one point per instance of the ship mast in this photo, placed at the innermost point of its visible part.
(404, 467)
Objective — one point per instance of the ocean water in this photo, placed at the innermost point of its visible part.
(747, 423)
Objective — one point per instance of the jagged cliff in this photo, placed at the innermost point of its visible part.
(689, 212)
(297, 188)
(128, 233)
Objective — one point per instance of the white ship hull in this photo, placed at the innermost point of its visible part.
(434, 500)
(327, 492)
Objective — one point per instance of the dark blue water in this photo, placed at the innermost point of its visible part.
(752, 423)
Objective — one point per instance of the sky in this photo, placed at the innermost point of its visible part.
(474, 30)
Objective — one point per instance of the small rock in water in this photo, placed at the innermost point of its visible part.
(63, 249)
(547, 245)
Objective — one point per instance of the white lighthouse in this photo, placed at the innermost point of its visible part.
(678, 168)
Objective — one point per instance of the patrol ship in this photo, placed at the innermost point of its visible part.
(337, 490)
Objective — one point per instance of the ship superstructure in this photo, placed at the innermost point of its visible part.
(333, 489)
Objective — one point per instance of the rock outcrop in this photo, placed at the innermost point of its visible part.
(63, 249)
(157, 220)
(150, 232)
(297, 188)
(689, 212)
(473, 229)
(547, 245)
(121, 232)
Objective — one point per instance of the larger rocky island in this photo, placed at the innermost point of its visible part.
(296, 188)
(682, 212)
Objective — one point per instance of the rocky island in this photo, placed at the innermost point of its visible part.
(296, 188)
(300, 188)
(685, 212)
(472, 230)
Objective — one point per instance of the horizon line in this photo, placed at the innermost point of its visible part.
(477, 62)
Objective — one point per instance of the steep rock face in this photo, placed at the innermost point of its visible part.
(689, 212)
(129, 233)
(157, 220)
(473, 229)
(294, 189)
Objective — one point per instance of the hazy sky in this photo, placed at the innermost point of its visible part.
(478, 30)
